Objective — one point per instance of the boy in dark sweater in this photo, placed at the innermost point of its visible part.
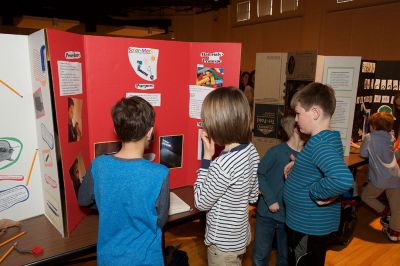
(318, 177)
(270, 209)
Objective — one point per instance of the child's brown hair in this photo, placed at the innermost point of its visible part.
(288, 124)
(226, 116)
(381, 121)
(133, 117)
(316, 94)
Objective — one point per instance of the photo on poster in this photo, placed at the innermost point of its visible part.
(395, 85)
(171, 151)
(38, 103)
(112, 147)
(368, 67)
(389, 85)
(377, 84)
(385, 99)
(74, 119)
(383, 84)
(267, 120)
(76, 172)
(371, 86)
(366, 84)
(209, 76)
(106, 148)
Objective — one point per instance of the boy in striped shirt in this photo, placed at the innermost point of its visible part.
(319, 175)
(225, 186)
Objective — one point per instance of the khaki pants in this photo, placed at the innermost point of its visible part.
(217, 257)
(369, 196)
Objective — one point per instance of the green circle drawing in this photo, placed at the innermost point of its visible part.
(385, 108)
(19, 154)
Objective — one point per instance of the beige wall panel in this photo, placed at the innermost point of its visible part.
(372, 32)
(274, 36)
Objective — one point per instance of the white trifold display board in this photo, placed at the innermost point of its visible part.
(29, 183)
(341, 73)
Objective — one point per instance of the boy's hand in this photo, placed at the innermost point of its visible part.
(274, 207)
(326, 202)
(209, 148)
(289, 166)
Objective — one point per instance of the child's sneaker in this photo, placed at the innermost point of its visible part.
(393, 236)
(385, 221)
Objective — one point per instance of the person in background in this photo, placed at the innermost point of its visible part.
(226, 185)
(244, 80)
(131, 193)
(396, 126)
(74, 131)
(249, 89)
(270, 218)
(318, 177)
(249, 92)
(396, 114)
(383, 173)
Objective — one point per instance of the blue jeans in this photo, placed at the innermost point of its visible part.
(264, 232)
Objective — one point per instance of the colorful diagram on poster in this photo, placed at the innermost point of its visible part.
(171, 151)
(10, 150)
(12, 196)
(144, 62)
(209, 76)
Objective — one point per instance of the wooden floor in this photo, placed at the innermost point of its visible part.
(368, 247)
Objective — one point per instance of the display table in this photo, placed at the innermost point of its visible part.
(81, 242)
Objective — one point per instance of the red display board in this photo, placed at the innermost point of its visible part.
(95, 72)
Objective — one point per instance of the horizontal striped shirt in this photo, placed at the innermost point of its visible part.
(319, 173)
(224, 188)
